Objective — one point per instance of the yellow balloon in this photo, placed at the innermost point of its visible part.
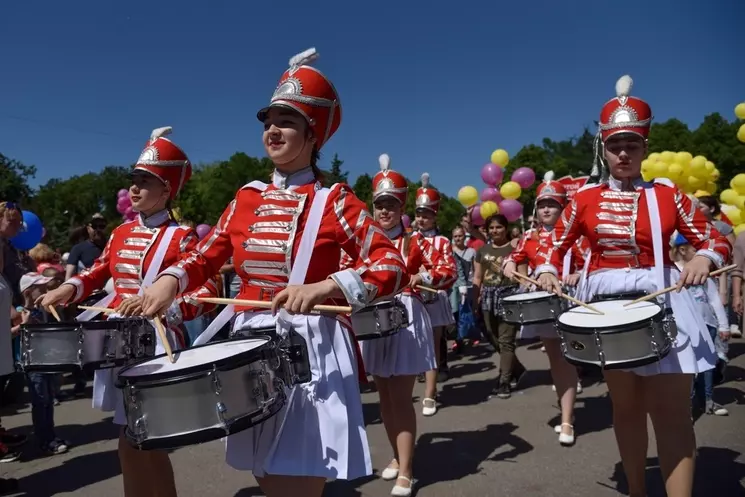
(714, 175)
(683, 157)
(646, 163)
(711, 187)
(739, 229)
(510, 190)
(468, 196)
(659, 170)
(667, 156)
(741, 133)
(698, 169)
(647, 176)
(738, 183)
(740, 110)
(500, 157)
(489, 208)
(653, 157)
(735, 216)
(740, 202)
(695, 183)
(728, 196)
(710, 166)
(675, 172)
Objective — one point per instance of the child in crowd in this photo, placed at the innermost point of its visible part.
(707, 297)
(42, 386)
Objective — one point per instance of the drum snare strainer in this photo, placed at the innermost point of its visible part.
(623, 337)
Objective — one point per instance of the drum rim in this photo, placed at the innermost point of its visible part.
(547, 298)
(107, 324)
(225, 364)
(658, 317)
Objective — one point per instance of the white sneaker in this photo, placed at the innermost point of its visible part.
(735, 331)
(429, 407)
(399, 491)
(566, 439)
(389, 473)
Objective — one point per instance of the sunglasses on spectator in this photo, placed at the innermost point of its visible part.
(98, 225)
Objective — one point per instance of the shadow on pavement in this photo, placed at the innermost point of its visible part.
(465, 394)
(591, 414)
(338, 488)
(450, 456)
(462, 369)
(717, 474)
(71, 475)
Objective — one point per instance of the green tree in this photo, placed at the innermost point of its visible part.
(14, 178)
(335, 174)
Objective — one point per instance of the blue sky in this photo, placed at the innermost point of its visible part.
(436, 85)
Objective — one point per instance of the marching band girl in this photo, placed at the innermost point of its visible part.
(550, 200)
(440, 312)
(628, 223)
(135, 253)
(286, 240)
(395, 361)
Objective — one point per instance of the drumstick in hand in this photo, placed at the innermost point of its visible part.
(561, 294)
(53, 312)
(338, 309)
(164, 338)
(675, 287)
(104, 310)
(426, 289)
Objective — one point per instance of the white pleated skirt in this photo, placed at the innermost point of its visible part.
(108, 398)
(541, 330)
(320, 431)
(408, 352)
(440, 311)
(693, 350)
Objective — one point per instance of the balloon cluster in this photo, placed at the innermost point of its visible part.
(689, 173)
(733, 202)
(497, 199)
(124, 205)
(740, 114)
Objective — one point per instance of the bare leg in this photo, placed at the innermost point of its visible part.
(387, 414)
(565, 379)
(430, 388)
(668, 398)
(401, 388)
(284, 486)
(630, 426)
(145, 473)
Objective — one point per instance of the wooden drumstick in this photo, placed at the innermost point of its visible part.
(104, 310)
(338, 309)
(53, 312)
(164, 338)
(560, 294)
(426, 289)
(675, 287)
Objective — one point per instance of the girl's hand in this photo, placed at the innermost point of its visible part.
(509, 270)
(160, 296)
(131, 306)
(695, 272)
(59, 296)
(572, 279)
(300, 299)
(550, 283)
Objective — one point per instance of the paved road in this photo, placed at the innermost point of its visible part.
(475, 446)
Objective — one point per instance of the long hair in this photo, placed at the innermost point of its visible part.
(315, 156)
(500, 219)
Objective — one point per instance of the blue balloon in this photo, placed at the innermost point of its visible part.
(29, 234)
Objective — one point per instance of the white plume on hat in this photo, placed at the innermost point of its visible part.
(425, 180)
(160, 133)
(623, 86)
(549, 176)
(385, 162)
(304, 58)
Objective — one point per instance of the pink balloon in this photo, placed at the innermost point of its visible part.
(511, 209)
(406, 221)
(492, 174)
(202, 230)
(128, 211)
(123, 193)
(524, 176)
(491, 193)
(476, 218)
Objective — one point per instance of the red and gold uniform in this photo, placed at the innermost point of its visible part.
(293, 231)
(628, 226)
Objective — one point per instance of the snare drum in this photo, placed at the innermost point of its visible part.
(623, 337)
(530, 308)
(211, 391)
(380, 320)
(428, 297)
(60, 347)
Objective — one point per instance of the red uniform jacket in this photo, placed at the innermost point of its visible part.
(530, 244)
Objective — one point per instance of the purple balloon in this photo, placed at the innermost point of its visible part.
(202, 230)
(492, 174)
(123, 193)
(491, 193)
(524, 176)
(511, 209)
(476, 218)
(406, 221)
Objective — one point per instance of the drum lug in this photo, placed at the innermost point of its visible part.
(134, 410)
(81, 335)
(221, 410)
(108, 338)
(656, 350)
(562, 340)
(216, 384)
(599, 345)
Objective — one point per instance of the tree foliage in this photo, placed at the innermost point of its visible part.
(65, 203)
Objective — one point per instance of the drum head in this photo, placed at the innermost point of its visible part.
(223, 355)
(616, 315)
(527, 296)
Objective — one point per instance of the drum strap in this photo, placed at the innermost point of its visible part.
(658, 247)
(152, 272)
(299, 268)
